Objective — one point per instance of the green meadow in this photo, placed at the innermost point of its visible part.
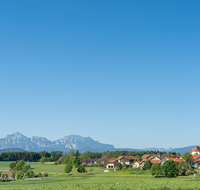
(97, 179)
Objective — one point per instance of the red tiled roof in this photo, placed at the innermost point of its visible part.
(111, 160)
(155, 161)
(131, 157)
(145, 156)
(174, 159)
(196, 149)
(196, 161)
(120, 157)
(194, 157)
(139, 162)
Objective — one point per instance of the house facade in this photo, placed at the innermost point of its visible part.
(111, 163)
(89, 161)
(127, 159)
(138, 164)
(150, 157)
(195, 151)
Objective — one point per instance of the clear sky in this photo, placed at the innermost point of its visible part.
(125, 73)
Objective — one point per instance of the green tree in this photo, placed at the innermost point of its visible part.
(25, 168)
(19, 165)
(187, 157)
(68, 167)
(81, 169)
(181, 164)
(156, 169)
(66, 159)
(12, 165)
(19, 175)
(119, 166)
(77, 153)
(30, 174)
(72, 152)
(147, 165)
(169, 168)
(42, 160)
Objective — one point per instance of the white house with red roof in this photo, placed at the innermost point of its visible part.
(111, 163)
(195, 151)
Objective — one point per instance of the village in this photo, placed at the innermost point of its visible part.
(153, 158)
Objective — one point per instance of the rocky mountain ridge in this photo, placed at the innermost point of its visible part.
(17, 140)
(20, 142)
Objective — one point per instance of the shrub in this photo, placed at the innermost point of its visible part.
(81, 169)
(119, 166)
(55, 163)
(45, 174)
(30, 174)
(19, 175)
(39, 174)
(59, 162)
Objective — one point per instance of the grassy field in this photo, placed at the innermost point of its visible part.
(57, 169)
(97, 180)
(6, 163)
(107, 183)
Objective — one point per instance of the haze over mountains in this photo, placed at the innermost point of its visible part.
(17, 142)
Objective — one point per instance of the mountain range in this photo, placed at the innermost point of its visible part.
(17, 141)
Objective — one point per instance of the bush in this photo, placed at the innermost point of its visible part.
(39, 174)
(81, 169)
(119, 166)
(45, 174)
(19, 175)
(30, 174)
(55, 163)
(59, 162)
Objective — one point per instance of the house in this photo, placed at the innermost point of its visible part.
(167, 158)
(127, 159)
(138, 164)
(89, 161)
(155, 161)
(150, 157)
(195, 151)
(196, 160)
(111, 163)
(174, 159)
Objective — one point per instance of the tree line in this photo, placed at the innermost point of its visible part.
(56, 155)
(31, 156)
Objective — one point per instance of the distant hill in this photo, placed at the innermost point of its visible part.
(19, 142)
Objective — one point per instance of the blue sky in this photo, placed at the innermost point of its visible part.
(122, 72)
